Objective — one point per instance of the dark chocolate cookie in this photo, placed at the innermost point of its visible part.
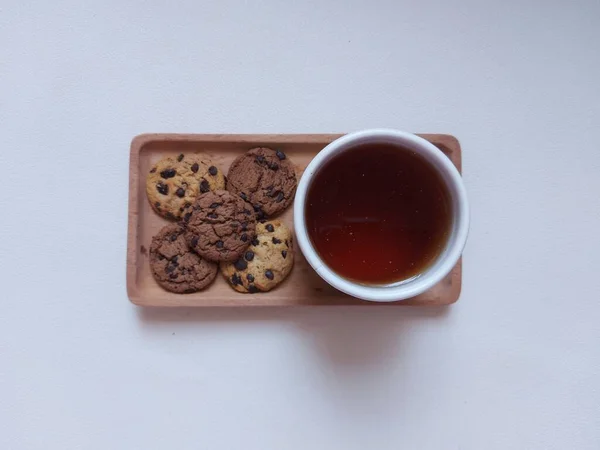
(264, 177)
(266, 263)
(219, 225)
(175, 266)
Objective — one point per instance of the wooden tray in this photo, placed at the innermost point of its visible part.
(303, 286)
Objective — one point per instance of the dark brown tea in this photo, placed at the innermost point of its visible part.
(378, 214)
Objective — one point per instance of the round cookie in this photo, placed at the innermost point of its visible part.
(266, 263)
(174, 183)
(265, 178)
(219, 226)
(175, 266)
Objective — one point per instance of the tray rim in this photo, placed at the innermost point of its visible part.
(138, 143)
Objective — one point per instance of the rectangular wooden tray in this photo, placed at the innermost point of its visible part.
(303, 286)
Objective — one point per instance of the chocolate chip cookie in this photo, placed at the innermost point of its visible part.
(174, 183)
(266, 263)
(175, 266)
(264, 177)
(219, 226)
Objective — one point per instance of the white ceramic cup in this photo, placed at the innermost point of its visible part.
(457, 236)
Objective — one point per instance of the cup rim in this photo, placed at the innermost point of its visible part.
(409, 288)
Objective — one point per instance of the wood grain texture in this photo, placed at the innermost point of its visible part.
(303, 286)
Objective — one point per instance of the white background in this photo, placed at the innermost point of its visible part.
(515, 364)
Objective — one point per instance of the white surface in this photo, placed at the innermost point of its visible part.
(515, 364)
(455, 242)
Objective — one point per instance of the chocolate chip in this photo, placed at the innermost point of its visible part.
(245, 226)
(204, 186)
(260, 215)
(195, 167)
(270, 188)
(252, 289)
(180, 192)
(269, 274)
(250, 278)
(194, 241)
(153, 170)
(255, 242)
(244, 196)
(180, 157)
(170, 216)
(240, 264)
(276, 241)
(234, 225)
(280, 155)
(280, 197)
(213, 170)
(174, 260)
(212, 215)
(214, 205)
(170, 268)
(173, 275)
(173, 237)
(247, 212)
(244, 237)
(274, 166)
(157, 205)
(269, 227)
(260, 159)
(186, 218)
(168, 173)
(162, 188)
(249, 255)
(235, 279)
(284, 253)
(219, 244)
